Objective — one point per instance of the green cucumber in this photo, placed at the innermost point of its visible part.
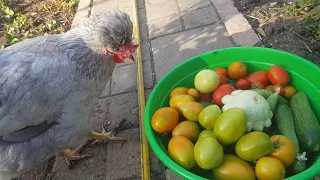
(272, 101)
(284, 119)
(266, 93)
(306, 124)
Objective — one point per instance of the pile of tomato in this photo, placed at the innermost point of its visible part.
(195, 142)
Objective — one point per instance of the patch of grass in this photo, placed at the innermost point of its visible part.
(300, 6)
(310, 9)
(43, 17)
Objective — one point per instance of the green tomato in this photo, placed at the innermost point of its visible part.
(253, 146)
(208, 153)
(208, 116)
(206, 133)
(206, 81)
(230, 126)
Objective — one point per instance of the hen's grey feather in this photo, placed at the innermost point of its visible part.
(55, 79)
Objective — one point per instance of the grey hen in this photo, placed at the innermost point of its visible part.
(50, 85)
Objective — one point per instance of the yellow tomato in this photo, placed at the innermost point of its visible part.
(283, 149)
(195, 93)
(177, 91)
(269, 168)
(188, 129)
(233, 167)
(177, 100)
(191, 110)
(181, 151)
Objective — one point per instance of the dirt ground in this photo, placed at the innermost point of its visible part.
(277, 29)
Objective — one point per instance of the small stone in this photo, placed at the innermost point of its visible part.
(273, 4)
(134, 110)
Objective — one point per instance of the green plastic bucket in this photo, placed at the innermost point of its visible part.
(304, 76)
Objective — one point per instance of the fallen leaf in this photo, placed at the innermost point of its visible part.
(261, 32)
(301, 13)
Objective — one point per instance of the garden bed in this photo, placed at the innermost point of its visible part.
(23, 19)
(292, 26)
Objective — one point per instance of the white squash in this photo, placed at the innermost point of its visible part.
(256, 107)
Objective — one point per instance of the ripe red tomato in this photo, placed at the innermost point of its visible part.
(207, 97)
(259, 76)
(220, 92)
(257, 85)
(223, 79)
(280, 88)
(221, 71)
(278, 75)
(243, 84)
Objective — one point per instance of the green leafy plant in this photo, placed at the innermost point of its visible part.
(11, 39)
(47, 17)
(310, 11)
(298, 8)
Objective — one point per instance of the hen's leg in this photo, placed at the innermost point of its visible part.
(73, 155)
(104, 136)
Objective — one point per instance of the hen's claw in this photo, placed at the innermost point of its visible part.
(105, 136)
(73, 155)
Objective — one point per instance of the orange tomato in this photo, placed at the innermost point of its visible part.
(178, 90)
(269, 168)
(207, 97)
(269, 88)
(278, 88)
(195, 93)
(221, 71)
(164, 120)
(237, 70)
(283, 150)
(289, 91)
(181, 150)
(278, 75)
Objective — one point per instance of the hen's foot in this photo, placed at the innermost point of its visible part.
(105, 136)
(73, 155)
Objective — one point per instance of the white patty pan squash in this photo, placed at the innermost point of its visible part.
(256, 107)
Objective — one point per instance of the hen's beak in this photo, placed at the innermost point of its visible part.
(132, 58)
